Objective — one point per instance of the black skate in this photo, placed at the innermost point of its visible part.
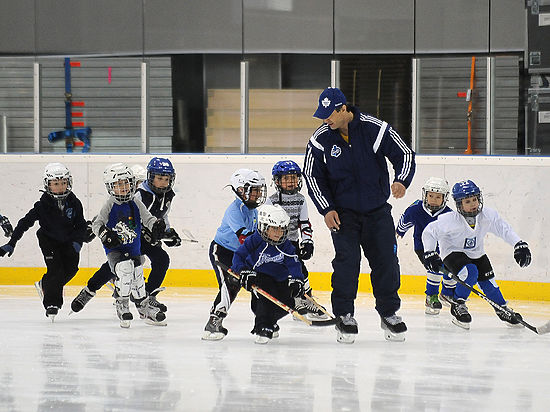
(154, 302)
(511, 320)
(123, 311)
(264, 335)
(51, 312)
(394, 328)
(310, 310)
(82, 299)
(214, 329)
(346, 329)
(461, 317)
(433, 305)
(151, 314)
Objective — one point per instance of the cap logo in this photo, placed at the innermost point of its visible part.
(325, 102)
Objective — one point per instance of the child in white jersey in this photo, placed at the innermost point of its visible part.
(460, 235)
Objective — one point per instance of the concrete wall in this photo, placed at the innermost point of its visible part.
(518, 188)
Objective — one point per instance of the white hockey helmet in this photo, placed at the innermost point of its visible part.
(57, 171)
(435, 185)
(273, 216)
(139, 173)
(246, 181)
(116, 173)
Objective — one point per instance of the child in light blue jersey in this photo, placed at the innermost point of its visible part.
(239, 221)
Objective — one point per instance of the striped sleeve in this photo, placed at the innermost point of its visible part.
(400, 155)
(405, 223)
(315, 174)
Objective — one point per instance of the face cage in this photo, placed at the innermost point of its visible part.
(260, 199)
(277, 182)
(122, 198)
(263, 233)
(470, 214)
(433, 209)
(158, 190)
(59, 196)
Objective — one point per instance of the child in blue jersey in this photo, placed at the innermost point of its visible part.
(239, 221)
(422, 212)
(268, 260)
(6, 226)
(118, 226)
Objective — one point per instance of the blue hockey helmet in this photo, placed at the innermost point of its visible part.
(283, 168)
(160, 166)
(463, 190)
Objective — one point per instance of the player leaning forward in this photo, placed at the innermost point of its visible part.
(347, 177)
(118, 226)
(460, 235)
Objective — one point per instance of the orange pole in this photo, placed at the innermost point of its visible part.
(472, 72)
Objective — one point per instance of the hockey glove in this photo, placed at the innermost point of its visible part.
(248, 279)
(77, 246)
(522, 254)
(432, 261)
(108, 237)
(296, 287)
(6, 249)
(306, 250)
(158, 229)
(172, 239)
(148, 237)
(90, 235)
(6, 226)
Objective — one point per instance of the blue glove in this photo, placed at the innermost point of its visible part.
(77, 246)
(6, 249)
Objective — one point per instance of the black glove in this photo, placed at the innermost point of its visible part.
(6, 225)
(296, 287)
(172, 239)
(109, 237)
(158, 229)
(306, 250)
(90, 235)
(148, 236)
(248, 279)
(522, 254)
(432, 261)
(7, 248)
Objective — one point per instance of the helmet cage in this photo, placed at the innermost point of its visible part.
(463, 190)
(244, 195)
(283, 168)
(57, 171)
(273, 216)
(435, 185)
(461, 210)
(115, 174)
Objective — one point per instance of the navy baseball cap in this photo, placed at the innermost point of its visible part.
(331, 99)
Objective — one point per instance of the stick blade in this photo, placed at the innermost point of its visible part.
(541, 330)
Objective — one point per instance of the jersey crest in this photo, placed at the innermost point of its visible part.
(470, 243)
(335, 151)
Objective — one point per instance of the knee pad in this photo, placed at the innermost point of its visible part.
(138, 283)
(125, 272)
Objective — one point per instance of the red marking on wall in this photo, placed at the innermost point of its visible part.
(78, 143)
(79, 124)
(109, 71)
(75, 64)
(77, 114)
(77, 104)
(461, 94)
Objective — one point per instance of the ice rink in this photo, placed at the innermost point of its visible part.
(86, 362)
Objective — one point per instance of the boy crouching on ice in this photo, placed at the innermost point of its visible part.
(268, 260)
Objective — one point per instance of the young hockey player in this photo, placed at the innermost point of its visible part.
(239, 221)
(156, 194)
(268, 259)
(6, 226)
(60, 236)
(118, 226)
(433, 204)
(287, 178)
(460, 235)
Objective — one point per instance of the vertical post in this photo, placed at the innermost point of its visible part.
(144, 111)
(490, 125)
(3, 133)
(36, 106)
(415, 94)
(244, 107)
(335, 73)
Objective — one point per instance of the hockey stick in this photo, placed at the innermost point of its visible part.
(541, 330)
(188, 236)
(277, 302)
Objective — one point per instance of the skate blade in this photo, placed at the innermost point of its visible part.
(394, 337)
(39, 290)
(347, 338)
(125, 324)
(432, 311)
(461, 324)
(155, 322)
(514, 326)
(262, 340)
(51, 317)
(275, 335)
(212, 335)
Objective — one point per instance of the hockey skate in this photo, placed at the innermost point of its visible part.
(346, 329)
(38, 286)
(460, 314)
(394, 328)
(264, 335)
(433, 305)
(123, 311)
(154, 302)
(445, 300)
(511, 321)
(151, 314)
(214, 329)
(309, 309)
(81, 299)
(51, 312)
(276, 329)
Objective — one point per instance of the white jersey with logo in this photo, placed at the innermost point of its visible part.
(454, 234)
(296, 208)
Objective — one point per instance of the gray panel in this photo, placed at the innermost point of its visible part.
(210, 26)
(447, 26)
(17, 26)
(508, 25)
(374, 26)
(538, 39)
(89, 26)
(280, 26)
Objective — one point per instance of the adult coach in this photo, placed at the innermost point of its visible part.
(347, 178)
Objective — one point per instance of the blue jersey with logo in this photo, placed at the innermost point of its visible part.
(125, 218)
(238, 221)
